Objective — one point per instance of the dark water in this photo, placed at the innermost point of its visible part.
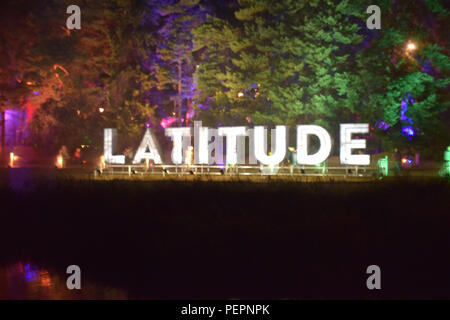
(215, 240)
(28, 281)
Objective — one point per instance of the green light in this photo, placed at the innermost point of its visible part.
(383, 166)
(322, 166)
(446, 168)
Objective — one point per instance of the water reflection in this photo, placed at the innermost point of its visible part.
(28, 281)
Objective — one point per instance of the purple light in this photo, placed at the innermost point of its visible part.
(404, 108)
(31, 273)
(383, 125)
(36, 93)
(408, 131)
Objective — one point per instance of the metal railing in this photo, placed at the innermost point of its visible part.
(237, 170)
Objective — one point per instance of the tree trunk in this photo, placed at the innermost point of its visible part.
(179, 92)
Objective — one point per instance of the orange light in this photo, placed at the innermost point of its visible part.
(404, 160)
(189, 154)
(101, 110)
(29, 83)
(46, 281)
(102, 162)
(240, 94)
(411, 46)
(60, 161)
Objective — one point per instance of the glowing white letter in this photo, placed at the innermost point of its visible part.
(347, 144)
(231, 134)
(200, 143)
(302, 144)
(280, 145)
(177, 134)
(216, 146)
(153, 154)
(109, 147)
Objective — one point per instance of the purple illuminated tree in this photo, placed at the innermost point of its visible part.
(176, 63)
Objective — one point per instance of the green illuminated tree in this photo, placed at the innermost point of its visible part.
(285, 62)
(407, 59)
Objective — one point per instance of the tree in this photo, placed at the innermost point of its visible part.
(34, 45)
(405, 71)
(296, 62)
(287, 62)
(176, 63)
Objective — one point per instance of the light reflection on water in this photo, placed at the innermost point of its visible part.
(24, 281)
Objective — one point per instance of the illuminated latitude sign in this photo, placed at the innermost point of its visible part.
(209, 145)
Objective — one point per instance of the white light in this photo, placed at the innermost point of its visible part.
(240, 94)
(200, 143)
(110, 142)
(411, 46)
(148, 143)
(215, 145)
(240, 144)
(302, 144)
(251, 146)
(177, 134)
(231, 133)
(279, 150)
(347, 144)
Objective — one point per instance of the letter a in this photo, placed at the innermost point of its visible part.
(74, 281)
(150, 144)
(374, 21)
(74, 21)
(374, 281)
